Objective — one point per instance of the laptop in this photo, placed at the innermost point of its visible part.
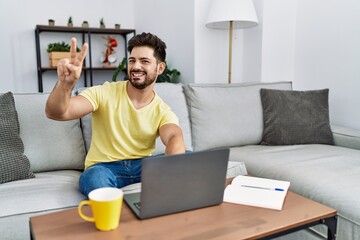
(180, 182)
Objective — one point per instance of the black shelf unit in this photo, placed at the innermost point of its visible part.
(85, 32)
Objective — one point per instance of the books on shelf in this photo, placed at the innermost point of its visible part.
(258, 192)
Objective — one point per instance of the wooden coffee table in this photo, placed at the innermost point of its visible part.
(225, 221)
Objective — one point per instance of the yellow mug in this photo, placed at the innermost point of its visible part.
(106, 206)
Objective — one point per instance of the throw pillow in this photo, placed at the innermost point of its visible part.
(14, 165)
(296, 117)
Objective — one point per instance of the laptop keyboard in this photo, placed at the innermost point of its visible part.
(137, 205)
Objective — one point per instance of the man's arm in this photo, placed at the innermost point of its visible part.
(60, 105)
(171, 136)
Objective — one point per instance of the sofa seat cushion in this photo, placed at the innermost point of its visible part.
(47, 191)
(327, 174)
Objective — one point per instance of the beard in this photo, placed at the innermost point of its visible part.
(137, 83)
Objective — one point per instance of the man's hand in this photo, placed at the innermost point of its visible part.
(60, 105)
(69, 70)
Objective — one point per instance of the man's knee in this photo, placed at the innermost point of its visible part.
(96, 177)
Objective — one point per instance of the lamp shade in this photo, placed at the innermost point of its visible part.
(241, 12)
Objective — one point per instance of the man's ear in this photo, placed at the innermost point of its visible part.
(161, 68)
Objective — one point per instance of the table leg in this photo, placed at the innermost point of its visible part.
(331, 224)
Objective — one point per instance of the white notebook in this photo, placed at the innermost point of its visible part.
(258, 192)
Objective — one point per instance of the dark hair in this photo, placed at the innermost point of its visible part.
(149, 40)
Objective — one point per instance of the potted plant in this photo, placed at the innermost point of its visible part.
(169, 75)
(57, 51)
(51, 22)
(102, 23)
(70, 22)
(85, 24)
(117, 26)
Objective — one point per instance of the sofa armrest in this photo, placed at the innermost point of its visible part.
(346, 137)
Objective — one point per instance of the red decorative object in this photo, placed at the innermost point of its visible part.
(111, 43)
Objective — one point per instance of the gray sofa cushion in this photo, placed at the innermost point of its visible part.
(346, 137)
(173, 95)
(14, 165)
(224, 115)
(48, 191)
(49, 145)
(296, 117)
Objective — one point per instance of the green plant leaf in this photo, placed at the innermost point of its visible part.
(60, 47)
(120, 67)
(169, 75)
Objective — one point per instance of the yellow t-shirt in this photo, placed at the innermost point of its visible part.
(119, 131)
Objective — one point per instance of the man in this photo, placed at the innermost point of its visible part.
(127, 116)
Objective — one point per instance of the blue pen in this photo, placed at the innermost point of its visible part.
(265, 188)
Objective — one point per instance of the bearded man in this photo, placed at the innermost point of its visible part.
(127, 116)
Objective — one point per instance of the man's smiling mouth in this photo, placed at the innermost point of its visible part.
(137, 74)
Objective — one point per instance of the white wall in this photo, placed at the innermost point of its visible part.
(211, 55)
(327, 54)
(173, 22)
(315, 44)
(18, 19)
(278, 40)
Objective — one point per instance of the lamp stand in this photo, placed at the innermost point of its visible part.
(230, 50)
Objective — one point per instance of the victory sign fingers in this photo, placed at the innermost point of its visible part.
(70, 69)
(77, 59)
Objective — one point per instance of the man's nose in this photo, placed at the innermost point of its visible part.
(137, 65)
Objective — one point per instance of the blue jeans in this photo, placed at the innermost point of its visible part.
(110, 174)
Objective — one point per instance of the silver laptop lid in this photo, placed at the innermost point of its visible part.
(175, 183)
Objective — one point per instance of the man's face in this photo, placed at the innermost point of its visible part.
(143, 68)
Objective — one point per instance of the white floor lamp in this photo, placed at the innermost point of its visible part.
(229, 14)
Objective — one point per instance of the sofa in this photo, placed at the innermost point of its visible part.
(211, 116)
